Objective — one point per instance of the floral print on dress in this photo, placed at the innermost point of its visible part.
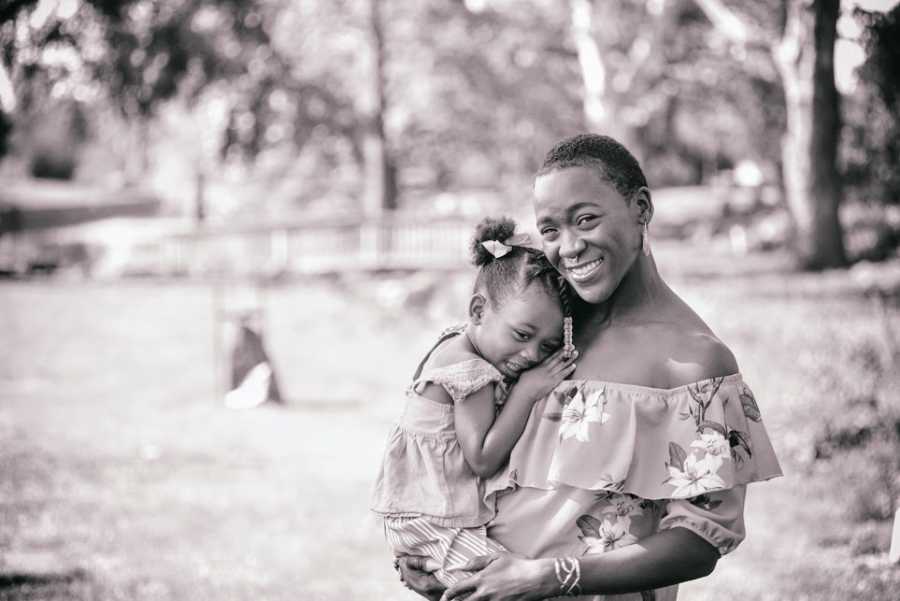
(578, 413)
(610, 532)
(702, 395)
(694, 476)
(706, 439)
(748, 404)
(625, 506)
(715, 446)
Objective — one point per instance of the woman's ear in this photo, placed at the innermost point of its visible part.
(643, 205)
(476, 308)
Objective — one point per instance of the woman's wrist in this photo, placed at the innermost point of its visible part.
(545, 579)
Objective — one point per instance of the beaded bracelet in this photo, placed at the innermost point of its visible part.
(568, 574)
(568, 346)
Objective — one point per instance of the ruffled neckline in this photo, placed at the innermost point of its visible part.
(626, 387)
(654, 443)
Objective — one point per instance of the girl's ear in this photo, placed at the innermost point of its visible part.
(476, 308)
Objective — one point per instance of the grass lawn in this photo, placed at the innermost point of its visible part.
(122, 477)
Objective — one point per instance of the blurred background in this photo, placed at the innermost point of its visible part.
(230, 229)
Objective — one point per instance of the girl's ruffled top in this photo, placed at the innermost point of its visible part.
(424, 472)
(650, 443)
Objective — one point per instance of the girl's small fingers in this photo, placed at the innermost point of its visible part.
(556, 356)
(560, 358)
(564, 369)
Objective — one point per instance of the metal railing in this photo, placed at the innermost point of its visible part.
(321, 246)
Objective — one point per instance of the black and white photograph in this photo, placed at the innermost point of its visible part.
(475, 300)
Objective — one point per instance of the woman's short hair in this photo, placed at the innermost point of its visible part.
(610, 158)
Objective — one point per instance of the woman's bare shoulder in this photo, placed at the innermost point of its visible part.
(698, 355)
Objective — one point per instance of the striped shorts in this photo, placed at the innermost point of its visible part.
(450, 548)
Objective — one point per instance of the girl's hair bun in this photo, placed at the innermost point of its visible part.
(490, 229)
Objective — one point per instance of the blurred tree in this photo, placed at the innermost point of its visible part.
(694, 110)
(799, 36)
(478, 92)
(134, 54)
(872, 148)
(618, 55)
(651, 79)
(380, 171)
(138, 55)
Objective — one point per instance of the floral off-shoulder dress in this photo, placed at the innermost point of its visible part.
(603, 465)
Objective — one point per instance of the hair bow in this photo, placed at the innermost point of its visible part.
(499, 249)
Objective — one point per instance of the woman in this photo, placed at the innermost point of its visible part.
(629, 478)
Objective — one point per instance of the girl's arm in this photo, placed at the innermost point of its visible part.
(663, 559)
(486, 442)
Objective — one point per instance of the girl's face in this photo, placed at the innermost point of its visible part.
(590, 233)
(521, 332)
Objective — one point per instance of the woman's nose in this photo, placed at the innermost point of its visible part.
(571, 244)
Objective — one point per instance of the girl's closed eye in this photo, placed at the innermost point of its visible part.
(522, 336)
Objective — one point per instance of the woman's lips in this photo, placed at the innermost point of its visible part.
(584, 271)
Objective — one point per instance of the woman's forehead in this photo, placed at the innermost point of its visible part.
(563, 189)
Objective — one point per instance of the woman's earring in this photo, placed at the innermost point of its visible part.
(645, 240)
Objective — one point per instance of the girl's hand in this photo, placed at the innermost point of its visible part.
(504, 577)
(538, 381)
(417, 576)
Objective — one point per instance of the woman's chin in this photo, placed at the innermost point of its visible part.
(593, 293)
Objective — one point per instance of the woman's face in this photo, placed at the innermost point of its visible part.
(590, 233)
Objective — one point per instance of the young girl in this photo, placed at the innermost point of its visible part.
(453, 433)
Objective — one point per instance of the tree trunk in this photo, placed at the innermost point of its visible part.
(380, 187)
(805, 60)
(599, 102)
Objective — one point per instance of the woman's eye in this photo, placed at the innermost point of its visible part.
(585, 219)
(548, 231)
(523, 336)
(548, 348)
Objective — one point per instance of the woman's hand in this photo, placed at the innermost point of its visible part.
(505, 577)
(540, 380)
(417, 576)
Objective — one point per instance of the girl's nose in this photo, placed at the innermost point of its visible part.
(532, 353)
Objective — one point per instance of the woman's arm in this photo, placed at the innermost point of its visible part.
(663, 559)
(486, 442)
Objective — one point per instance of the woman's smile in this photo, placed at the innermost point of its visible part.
(583, 272)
